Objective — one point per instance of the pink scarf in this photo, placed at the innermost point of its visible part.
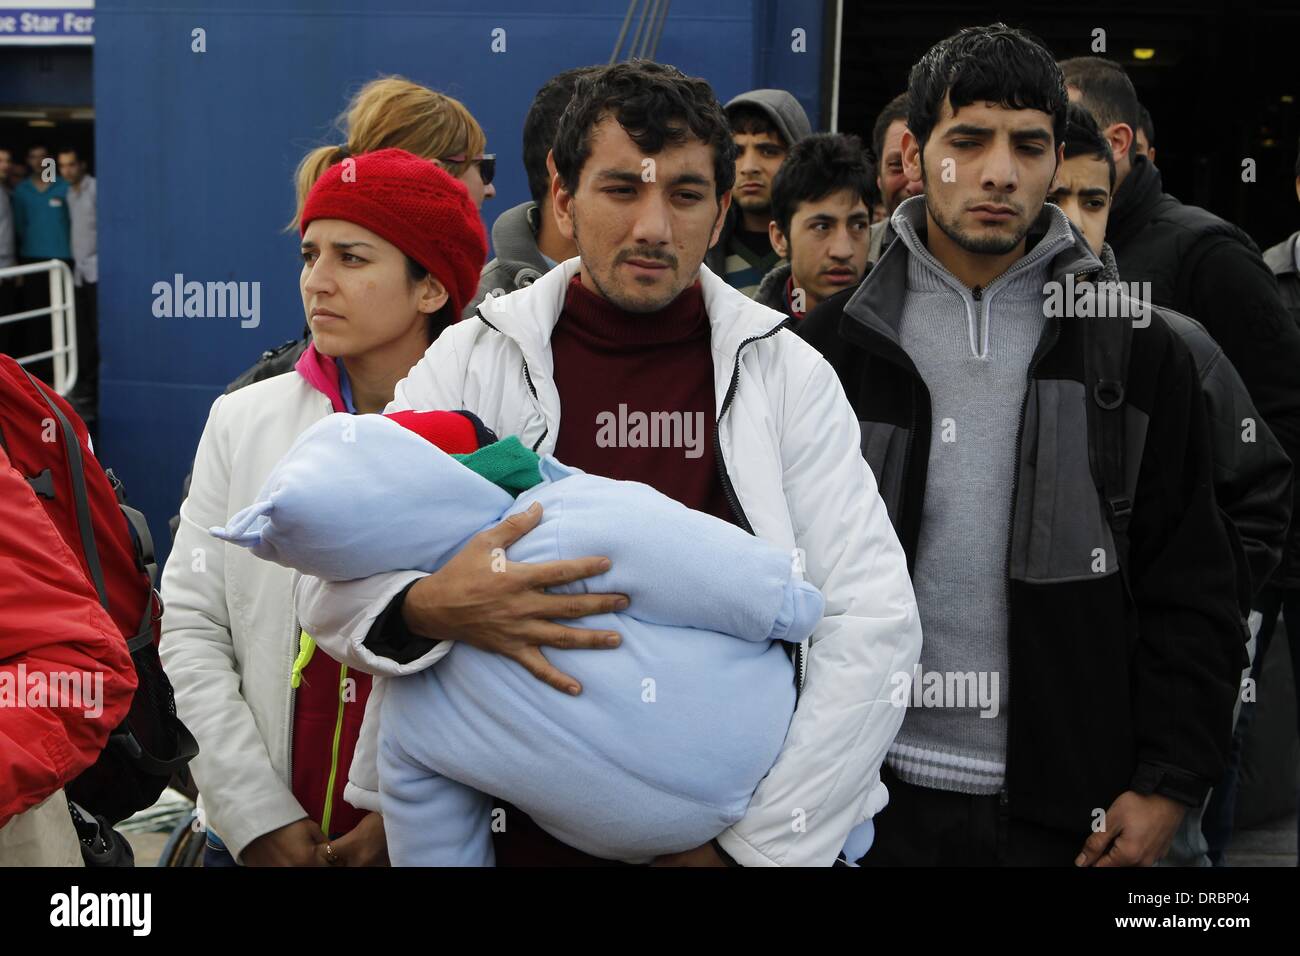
(322, 374)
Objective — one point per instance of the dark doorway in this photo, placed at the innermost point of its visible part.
(1221, 85)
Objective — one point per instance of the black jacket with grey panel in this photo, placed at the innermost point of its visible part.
(1117, 681)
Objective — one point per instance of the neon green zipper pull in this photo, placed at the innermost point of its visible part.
(306, 648)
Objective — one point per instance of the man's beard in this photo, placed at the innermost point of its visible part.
(756, 205)
(612, 295)
(993, 245)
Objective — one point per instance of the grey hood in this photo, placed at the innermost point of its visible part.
(518, 261)
(514, 236)
(781, 108)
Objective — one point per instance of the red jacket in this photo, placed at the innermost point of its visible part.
(53, 625)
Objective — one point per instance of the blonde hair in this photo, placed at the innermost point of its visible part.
(394, 112)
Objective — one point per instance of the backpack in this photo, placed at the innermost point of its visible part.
(1108, 343)
(272, 362)
(87, 506)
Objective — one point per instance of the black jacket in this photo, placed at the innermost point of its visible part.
(1109, 692)
(1252, 479)
(1208, 269)
(1281, 261)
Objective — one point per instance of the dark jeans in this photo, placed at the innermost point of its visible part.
(1222, 808)
(215, 852)
(926, 827)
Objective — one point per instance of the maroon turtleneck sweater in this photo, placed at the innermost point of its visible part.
(646, 362)
(615, 370)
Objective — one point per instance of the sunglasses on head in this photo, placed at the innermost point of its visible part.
(487, 164)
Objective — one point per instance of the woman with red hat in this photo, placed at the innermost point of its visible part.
(392, 247)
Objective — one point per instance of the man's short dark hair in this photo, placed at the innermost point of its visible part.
(69, 149)
(1083, 137)
(895, 109)
(744, 118)
(817, 166)
(540, 124)
(996, 64)
(1106, 90)
(1148, 127)
(657, 105)
(1297, 164)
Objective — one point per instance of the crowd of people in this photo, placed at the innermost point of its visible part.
(1024, 421)
(47, 211)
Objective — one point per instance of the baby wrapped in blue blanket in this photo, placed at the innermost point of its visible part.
(674, 728)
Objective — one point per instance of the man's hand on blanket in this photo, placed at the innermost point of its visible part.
(291, 845)
(502, 606)
(363, 845)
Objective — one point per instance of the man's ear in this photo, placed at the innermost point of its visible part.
(724, 203)
(1297, 187)
(433, 295)
(561, 200)
(911, 156)
(777, 238)
(1120, 137)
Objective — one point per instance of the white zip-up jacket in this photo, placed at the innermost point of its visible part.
(229, 634)
(790, 445)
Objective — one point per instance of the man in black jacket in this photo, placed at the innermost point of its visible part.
(1206, 268)
(1198, 265)
(1075, 695)
(1284, 261)
(1252, 478)
(1282, 597)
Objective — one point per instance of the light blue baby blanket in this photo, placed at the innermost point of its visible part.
(674, 728)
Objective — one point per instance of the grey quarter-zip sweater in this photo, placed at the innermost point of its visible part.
(972, 348)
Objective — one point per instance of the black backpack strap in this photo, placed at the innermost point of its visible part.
(145, 561)
(1108, 343)
(76, 469)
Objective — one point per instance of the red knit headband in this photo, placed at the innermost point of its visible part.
(414, 204)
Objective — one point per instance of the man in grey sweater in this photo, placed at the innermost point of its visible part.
(1081, 651)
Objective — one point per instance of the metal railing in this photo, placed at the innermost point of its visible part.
(62, 311)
